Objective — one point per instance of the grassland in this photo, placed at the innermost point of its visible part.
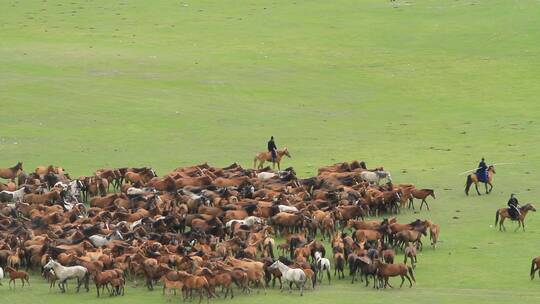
(424, 88)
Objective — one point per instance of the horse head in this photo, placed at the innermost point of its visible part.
(492, 169)
(286, 153)
(50, 264)
(529, 207)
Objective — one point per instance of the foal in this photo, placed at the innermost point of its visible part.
(14, 274)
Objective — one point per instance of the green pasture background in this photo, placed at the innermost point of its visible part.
(424, 88)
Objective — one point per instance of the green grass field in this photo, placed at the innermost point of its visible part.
(424, 88)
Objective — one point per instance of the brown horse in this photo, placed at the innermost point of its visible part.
(263, 157)
(9, 173)
(473, 179)
(393, 270)
(535, 266)
(14, 274)
(503, 213)
(421, 194)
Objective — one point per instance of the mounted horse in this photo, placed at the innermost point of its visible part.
(473, 178)
(263, 157)
(504, 214)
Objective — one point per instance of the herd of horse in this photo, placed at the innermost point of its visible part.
(199, 228)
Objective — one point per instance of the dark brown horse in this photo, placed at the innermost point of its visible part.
(503, 213)
(535, 266)
(10, 173)
(473, 179)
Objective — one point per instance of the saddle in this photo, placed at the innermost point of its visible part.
(482, 176)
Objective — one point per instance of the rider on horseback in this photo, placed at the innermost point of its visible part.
(272, 148)
(481, 171)
(513, 207)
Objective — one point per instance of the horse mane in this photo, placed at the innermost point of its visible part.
(17, 166)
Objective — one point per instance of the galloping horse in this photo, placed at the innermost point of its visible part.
(267, 156)
(472, 178)
(503, 213)
(9, 173)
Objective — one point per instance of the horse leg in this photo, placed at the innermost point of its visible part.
(490, 187)
(476, 187)
(485, 184)
(328, 275)
(290, 286)
(402, 281)
(522, 224)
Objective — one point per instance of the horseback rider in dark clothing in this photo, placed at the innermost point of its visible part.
(481, 171)
(513, 207)
(272, 149)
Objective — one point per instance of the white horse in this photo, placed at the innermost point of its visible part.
(291, 275)
(266, 175)
(248, 221)
(64, 273)
(16, 196)
(285, 208)
(375, 176)
(200, 198)
(100, 240)
(323, 264)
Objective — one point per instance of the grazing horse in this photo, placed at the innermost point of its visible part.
(291, 275)
(421, 194)
(64, 273)
(503, 213)
(10, 173)
(263, 157)
(14, 274)
(375, 176)
(473, 179)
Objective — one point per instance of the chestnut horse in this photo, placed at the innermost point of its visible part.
(9, 173)
(503, 213)
(14, 274)
(473, 179)
(263, 157)
(421, 194)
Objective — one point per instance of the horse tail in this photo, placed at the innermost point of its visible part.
(468, 184)
(411, 273)
(270, 247)
(533, 263)
(496, 217)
